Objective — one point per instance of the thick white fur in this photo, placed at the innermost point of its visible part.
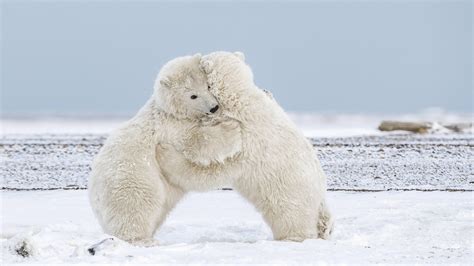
(129, 192)
(173, 146)
(279, 171)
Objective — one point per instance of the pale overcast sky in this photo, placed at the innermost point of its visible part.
(84, 57)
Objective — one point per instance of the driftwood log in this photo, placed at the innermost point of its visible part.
(415, 127)
(422, 127)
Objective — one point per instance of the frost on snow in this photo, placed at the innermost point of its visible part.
(400, 162)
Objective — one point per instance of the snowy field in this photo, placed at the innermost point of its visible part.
(388, 227)
(221, 227)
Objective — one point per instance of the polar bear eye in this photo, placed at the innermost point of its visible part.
(208, 86)
(193, 97)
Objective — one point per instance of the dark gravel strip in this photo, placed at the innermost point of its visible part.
(370, 163)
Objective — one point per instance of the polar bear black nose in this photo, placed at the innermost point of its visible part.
(214, 109)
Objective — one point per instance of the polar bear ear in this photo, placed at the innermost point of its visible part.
(206, 65)
(197, 56)
(240, 55)
(166, 82)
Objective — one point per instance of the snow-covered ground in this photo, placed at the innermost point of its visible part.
(221, 227)
(406, 227)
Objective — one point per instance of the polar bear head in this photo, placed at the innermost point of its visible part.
(231, 82)
(182, 90)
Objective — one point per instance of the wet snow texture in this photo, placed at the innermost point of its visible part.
(221, 227)
(390, 162)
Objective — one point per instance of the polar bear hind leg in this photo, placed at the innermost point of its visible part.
(325, 222)
(134, 209)
(290, 215)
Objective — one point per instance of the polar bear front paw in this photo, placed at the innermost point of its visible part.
(214, 144)
(231, 126)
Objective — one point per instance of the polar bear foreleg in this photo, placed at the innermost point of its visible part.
(207, 144)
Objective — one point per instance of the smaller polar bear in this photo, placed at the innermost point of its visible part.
(276, 169)
(129, 193)
(182, 92)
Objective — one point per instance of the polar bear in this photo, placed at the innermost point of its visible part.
(277, 169)
(281, 174)
(129, 193)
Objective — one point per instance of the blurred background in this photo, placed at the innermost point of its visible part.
(324, 61)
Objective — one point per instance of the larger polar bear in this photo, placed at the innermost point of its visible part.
(277, 169)
(281, 174)
(129, 193)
